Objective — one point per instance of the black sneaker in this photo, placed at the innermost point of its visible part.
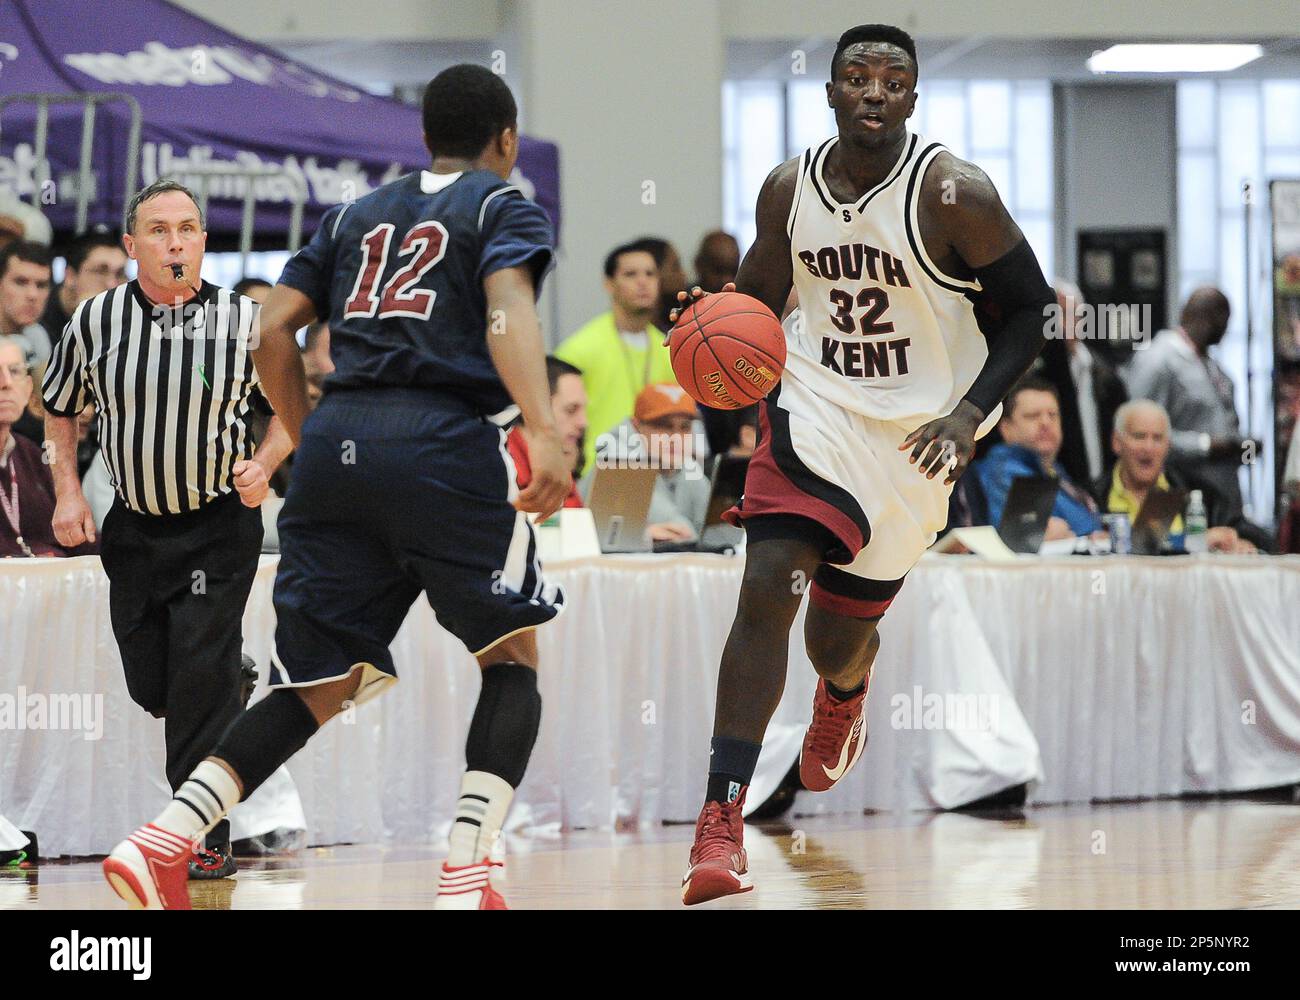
(25, 857)
(213, 862)
(247, 679)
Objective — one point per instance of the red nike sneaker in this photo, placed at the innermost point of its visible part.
(719, 865)
(468, 887)
(835, 739)
(150, 869)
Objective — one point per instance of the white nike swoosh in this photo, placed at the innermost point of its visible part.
(843, 764)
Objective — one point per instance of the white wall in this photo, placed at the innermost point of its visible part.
(638, 126)
(1116, 156)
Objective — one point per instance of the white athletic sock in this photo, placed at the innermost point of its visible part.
(480, 814)
(207, 795)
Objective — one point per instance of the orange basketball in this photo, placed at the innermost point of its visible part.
(728, 350)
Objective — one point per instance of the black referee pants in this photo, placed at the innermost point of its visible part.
(178, 584)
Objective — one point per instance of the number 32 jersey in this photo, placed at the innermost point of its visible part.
(398, 275)
(883, 331)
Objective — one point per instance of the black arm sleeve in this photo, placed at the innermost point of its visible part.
(1016, 286)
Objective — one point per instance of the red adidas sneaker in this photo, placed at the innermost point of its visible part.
(468, 887)
(835, 739)
(719, 865)
(150, 869)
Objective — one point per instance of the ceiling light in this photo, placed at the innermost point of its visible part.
(1173, 58)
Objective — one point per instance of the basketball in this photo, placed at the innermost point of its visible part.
(727, 350)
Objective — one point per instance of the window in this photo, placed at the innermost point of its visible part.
(1231, 132)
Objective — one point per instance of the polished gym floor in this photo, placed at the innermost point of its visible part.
(1210, 854)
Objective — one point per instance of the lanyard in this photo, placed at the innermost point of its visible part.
(13, 512)
(627, 363)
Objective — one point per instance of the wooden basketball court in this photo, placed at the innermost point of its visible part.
(1177, 854)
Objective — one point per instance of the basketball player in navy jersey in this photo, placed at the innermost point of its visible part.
(402, 482)
(892, 244)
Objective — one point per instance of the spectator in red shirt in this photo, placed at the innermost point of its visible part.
(569, 404)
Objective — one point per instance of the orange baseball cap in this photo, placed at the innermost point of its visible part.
(655, 402)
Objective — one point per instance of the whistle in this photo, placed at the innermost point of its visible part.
(178, 271)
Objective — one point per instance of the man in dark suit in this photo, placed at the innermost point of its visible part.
(1090, 391)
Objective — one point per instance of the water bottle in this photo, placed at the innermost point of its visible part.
(1194, 524)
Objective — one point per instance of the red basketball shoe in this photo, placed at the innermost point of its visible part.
(835, 739)
(468, 888)
(718, 863)
(150, 869)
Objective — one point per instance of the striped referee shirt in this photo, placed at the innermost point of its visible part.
(174, 388)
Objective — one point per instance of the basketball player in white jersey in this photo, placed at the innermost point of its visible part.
(894, 247)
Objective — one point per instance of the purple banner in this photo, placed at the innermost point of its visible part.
(208, 99)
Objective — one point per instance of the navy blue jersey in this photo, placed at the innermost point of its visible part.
(398, 275)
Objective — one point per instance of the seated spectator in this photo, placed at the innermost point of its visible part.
(620, 352)
(26, 487)
(717, 261)
(316, 363)
(24, 290)
(95, 263)
(256, 289)
(1031, 440)
(662, 435)
(1141, 445)
(21, 221)
(316, 360)
(569, 405)
(730, 432)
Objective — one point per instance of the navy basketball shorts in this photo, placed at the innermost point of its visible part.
(393, 492)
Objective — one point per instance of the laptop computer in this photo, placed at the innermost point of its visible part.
(620, 504)
(726, 487)
(1150, 529)
(1027, 511)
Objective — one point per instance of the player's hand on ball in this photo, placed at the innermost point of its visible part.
(684, 300)
(552, 479)
(252, 482)
(947, 441)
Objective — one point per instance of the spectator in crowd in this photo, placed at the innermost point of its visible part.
(256, 289)
(1098, 392)
(24, 290)
(1141, 445)
(1177, 372)
(569, 405)
(672, 276)
(26, 487)
(662, 425)
(1031, 441)
(95, 263)
(317, 364)
(316, 360)
(21, 221)
(620, 352)
(732, 432)
(717, 260)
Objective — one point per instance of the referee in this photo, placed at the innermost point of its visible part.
(167, 364)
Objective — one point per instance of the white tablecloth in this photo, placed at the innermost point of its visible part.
(1107, 678)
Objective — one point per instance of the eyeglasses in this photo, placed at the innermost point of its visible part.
(18, 371)
(118, 274)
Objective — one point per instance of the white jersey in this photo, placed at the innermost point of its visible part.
(884, 333)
